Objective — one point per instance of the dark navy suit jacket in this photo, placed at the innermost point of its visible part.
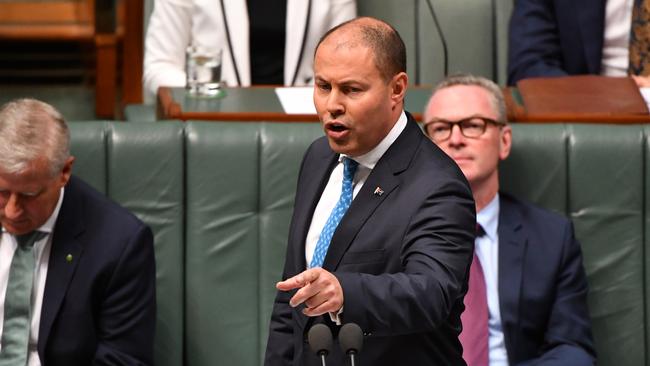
(555, 38)
(401, 257)
(542, 288)
(99, 300)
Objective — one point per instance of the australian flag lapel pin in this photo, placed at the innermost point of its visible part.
(378, 192)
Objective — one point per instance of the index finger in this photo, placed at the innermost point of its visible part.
(300, 280)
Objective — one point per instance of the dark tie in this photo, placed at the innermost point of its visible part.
(17, 312)
(640, 39)
(349, 168)
(474, 336)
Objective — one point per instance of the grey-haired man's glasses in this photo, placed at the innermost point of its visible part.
(472, 127)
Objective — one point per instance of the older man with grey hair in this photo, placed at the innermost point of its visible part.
(527, 296)
(77, 272)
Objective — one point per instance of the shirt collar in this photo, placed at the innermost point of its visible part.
(488, 218)
(48, 226)
(370, 159)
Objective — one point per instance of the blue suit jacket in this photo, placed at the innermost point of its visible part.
(542, 288)
(401, 257)
(555, 38)
(99, 299)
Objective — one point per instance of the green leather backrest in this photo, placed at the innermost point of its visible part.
(241, 180)
(142, 168)
(646, 232)
(596, 175)
(219, 197)
(606, 205)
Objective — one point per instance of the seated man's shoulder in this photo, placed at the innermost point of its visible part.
(533, 216)
(97, 207)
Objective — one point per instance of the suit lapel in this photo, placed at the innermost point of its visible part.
(65, 254)
(384, 176)
(313, 184)
(512, 251)
(591, 22)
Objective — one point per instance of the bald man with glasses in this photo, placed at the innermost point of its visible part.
(527, 297)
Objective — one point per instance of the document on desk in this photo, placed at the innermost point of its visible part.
(297, 100)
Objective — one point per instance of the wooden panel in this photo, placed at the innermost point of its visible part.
(133, 51)
(77, 12)
(74, 20)
(105, 81)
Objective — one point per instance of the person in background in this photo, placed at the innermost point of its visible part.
(571, 37)
(527, 297)
(395, 262)
(262, 41)
(77, 271)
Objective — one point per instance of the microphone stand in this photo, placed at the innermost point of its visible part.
(352, 363)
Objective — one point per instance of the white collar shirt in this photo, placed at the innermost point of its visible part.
(41, 251)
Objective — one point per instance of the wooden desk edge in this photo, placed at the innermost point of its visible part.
(584, 118)
(167, 108)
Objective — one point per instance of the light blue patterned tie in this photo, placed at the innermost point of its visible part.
(349, 168)
(17, 313)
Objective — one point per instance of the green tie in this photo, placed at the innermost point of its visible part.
(17, 316)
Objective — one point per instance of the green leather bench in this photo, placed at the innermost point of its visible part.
(219, 198)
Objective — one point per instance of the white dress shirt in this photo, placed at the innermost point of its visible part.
(616, 37)
(41, 251)
(487, 250)
(332, 191)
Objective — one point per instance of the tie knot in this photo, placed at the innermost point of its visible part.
(479, 230)
(26, 241)
(349, 168)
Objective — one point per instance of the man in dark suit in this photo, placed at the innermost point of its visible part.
(397, 261)
(555, 38)
(571, 37)
(535, 285)
(81, 291)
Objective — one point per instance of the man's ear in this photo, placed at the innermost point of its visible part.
(505, 142)
(66, 172)
(398, 85)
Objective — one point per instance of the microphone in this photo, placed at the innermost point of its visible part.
(442, 38)
(351, 340)
(320, 340)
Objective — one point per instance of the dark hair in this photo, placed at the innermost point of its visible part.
(384, 41)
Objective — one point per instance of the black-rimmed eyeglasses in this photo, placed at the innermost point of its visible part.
(472, 127)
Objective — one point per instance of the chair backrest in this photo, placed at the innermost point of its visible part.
(597, 176)
(141, 166)
(219, 198)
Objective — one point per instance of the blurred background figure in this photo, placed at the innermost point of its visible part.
(571, 37)
(527, 294)
(262, 41)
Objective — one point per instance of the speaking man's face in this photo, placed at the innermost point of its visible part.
(354, 103)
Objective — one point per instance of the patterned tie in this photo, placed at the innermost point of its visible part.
(474, 336)
(349, 168)
(640, 39)
(17, 316)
